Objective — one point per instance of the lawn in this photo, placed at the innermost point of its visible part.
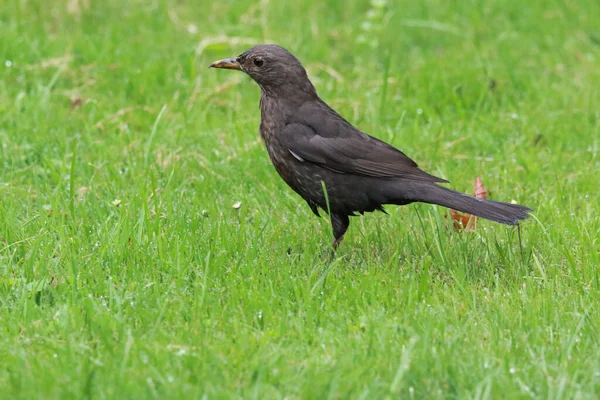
(148, 249)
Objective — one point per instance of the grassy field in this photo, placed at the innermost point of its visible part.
(127, 272)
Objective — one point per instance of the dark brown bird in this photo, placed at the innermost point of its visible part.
(312, 147)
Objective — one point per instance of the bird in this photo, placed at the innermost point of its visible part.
(334, 166)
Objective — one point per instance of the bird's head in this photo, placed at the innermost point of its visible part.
(272, 67)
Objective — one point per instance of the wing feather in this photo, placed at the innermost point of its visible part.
(325, 138)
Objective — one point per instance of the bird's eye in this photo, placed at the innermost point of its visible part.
(258, 62)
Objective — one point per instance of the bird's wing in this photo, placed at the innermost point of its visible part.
(327, 139)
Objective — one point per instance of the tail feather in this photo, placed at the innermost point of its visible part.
(505, 213)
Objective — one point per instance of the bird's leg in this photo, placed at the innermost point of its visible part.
(340, 223)
(336, 242)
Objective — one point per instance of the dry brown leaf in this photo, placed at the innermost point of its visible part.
(479, 191)
(76, 102)
(462, 221)
(467, 222)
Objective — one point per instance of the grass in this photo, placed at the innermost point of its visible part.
(126, 272)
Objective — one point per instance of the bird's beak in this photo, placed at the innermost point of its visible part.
(227, 63)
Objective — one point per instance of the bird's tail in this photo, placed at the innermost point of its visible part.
(505, 213)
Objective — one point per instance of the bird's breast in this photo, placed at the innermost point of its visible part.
(284, 162)
(272, 123)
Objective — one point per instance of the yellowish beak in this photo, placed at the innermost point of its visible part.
(227, 63)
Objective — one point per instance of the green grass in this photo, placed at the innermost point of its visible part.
(125, 271)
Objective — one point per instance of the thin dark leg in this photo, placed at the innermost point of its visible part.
(340, 224)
